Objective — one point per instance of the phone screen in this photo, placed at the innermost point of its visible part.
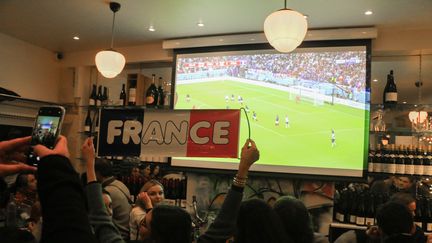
(46, 130)
(47, 126)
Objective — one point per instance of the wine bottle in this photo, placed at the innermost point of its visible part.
(378, 159)
(391, 160)
(93, 96)
(385, 159)
(409, 162)
(361, 211)
(427, 161)
(341, 206)
(123, 95)
(88, 123)
(427, 222)
(418, 161)
(99, 96)
(370, 210)
(97, 123)
(152, 94)
(161, 95)
(418, 218)
(390, 91)
(353, 208)
(400, 161)
(132, 92)
(105, 96)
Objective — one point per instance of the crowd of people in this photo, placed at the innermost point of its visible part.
(100, 209)
(344, 69)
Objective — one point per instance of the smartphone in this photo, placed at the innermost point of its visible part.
(47, 126)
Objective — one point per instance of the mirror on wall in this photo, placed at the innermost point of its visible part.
(407, 70)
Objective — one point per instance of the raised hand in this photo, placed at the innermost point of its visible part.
(12, 156)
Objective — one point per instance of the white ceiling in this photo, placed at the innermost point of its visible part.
(51, 24)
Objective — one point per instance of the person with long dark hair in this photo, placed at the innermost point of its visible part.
(257, 222)
(295, 219)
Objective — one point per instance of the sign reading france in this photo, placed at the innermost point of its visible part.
(183, 133)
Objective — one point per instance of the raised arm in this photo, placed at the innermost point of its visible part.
(104, 228)
(62, 198)
(224, 225)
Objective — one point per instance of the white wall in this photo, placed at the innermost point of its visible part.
(28, 70)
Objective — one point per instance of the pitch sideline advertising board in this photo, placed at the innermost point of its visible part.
(182, 133)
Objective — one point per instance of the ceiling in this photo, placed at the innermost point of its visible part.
(51, 24)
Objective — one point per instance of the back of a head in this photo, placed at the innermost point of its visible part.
(103, 167)
(170, 224)
(295, 219)
(402, 198)
(257, 222)
(395, 220)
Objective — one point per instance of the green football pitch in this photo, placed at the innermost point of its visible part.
(307, 140)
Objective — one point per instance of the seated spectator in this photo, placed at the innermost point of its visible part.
(257, 222)
(26, 189)
(120, 195)
(395, 222)
(296, 220)
(151, 195)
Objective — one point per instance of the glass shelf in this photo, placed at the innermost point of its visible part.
(402, 132)
(401, 107)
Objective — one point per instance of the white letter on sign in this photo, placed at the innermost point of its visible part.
(113, 130)
(131, 130)
(180, 134)
(194, 135)
(153, 133)
(218, 132)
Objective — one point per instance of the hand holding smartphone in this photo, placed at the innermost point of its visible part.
(46, 129)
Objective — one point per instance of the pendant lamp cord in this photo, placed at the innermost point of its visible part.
(112, 32)
(420, 80)
(285, 4)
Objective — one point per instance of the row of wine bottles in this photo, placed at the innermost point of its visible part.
(98, 98)
(154, 96)
(404, 160)
(360, 207)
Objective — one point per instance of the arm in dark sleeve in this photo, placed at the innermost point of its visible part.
(224, 225)
(62, 199)
(104, 228)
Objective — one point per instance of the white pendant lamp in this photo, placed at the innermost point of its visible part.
(110, 62)
(285, 29)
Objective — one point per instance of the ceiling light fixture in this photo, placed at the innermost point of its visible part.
(76, 38)
(285, 29)
(369, 12)
(151, 28)
(200, 24)
(110, 62)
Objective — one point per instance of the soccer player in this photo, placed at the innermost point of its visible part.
(247, 109)
(254, 116)
(232, 97)
(240, 100)
(333, 138)
(226, 98)
(286, 122)
(277, 120)
(187, 98)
